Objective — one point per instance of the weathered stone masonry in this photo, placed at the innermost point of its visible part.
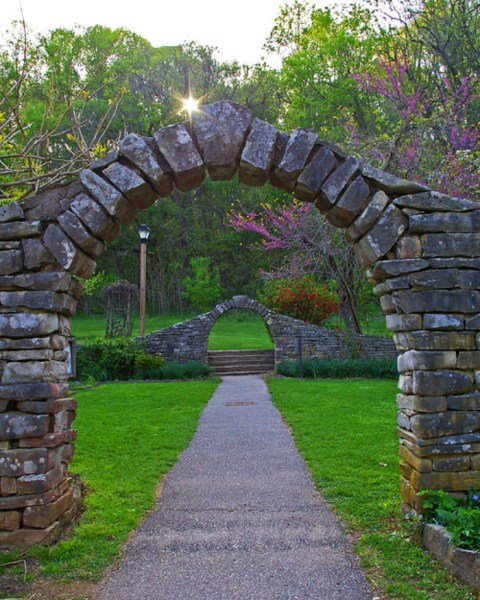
(189, 340)
(421, 249)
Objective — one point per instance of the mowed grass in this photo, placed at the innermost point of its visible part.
(129, 435)
(345, 430)
(237, 329)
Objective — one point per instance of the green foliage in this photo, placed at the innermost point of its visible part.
(129, 435)
(303, 299)
(375, 368)
(460, 516)
(187, 370)
(345, 431)
(203, 288)
(107, 359)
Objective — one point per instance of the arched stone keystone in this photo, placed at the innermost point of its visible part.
(422, 250)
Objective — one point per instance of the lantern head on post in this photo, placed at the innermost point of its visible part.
(143, 232)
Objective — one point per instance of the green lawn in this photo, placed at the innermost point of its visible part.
(345, 430)
(129, 435)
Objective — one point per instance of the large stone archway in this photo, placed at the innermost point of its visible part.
(421, 249)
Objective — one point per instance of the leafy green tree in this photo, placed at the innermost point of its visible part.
(203, 288)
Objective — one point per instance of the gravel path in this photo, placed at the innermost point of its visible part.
(238, 517)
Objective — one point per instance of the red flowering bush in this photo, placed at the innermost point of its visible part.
(303, 299)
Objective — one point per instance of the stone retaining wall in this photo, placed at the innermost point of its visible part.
(421, 249)
(189, 340)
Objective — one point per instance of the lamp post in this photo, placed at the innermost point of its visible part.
(143, 232)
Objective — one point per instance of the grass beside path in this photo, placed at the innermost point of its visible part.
(346, 432)
(129, 435)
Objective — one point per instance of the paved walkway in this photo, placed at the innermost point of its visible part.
(238, 517)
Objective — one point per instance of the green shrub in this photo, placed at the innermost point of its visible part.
(148, 366)
(460, 516)
(107, 359)
(188, 370)
(340, 368)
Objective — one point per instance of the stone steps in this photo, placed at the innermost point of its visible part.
(241, 362)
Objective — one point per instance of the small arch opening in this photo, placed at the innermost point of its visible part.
(240, 329)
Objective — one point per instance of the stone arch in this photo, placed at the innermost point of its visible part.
(188, 340)
(421, 250)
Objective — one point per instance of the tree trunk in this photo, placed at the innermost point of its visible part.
(347, 308)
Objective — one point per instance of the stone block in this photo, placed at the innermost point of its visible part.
(409, 246)
(438, 340)
(352, 202)
(472, 322)
(51, 440)
(469, 279)
(427, 360)
(17, 230)
(47, 406)
(423, 465)
(405, 383)
(441, 301)
(435, 279)
(33, 391)
(14, 463)
(132, 186)
(18, 425)
(452, 464)
(446, 222)
(32, 371)
(114, 202)
(68, 255)
(448, 322)
(8, 486)
(178, 149)
(220, 130)
(50, 301)
(25, 538)
(95, 218)
(315, 173)
(10, 245)
(10, 520)
(41, 516)
(469, 360)
(141, 154)
(386, 302)
(22, 324)
(423, 404)
(11, 261)
(450, 245)
(368, 217)
(441, 382)
(404, 322)
(55, 281)
(385, 269)
(381, 237)
(77, 231)
(435, 202)
(403, 420)
(107, 159)
(297, 152)
(36, 255)
(391, 285)
(11, 212)
(448, 481)
(436, 539)
(258, 154)
(336, 183)
(434, 425)
(464, 402)
(39, 484)
(390, 183)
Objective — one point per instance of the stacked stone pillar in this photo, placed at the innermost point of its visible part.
(421, 249)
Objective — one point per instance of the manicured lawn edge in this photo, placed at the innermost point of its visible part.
(129, 437)
(346, 432)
